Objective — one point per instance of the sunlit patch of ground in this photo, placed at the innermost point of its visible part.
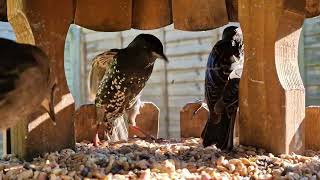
(170, 159)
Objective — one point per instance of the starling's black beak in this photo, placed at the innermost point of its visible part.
(161, 55)
(48, 104)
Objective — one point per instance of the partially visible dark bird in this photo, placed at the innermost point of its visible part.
(25, 82)
(118, 77)
(221, 88)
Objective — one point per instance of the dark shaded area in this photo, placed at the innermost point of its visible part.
(220, 91)
(232, 9)
(3, 10)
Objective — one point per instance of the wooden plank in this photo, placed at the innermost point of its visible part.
(150, 14)
(271, 76)
(31, 21)
(186, 89)
(194, 15)
(101, 16)
(86, 123)
(96, 36)
(312, 74)
(186, 76)
(192, 123)
(148, 119)
(103, 45)
(312, 128)
(178, 35)
(152, 90)
(4, 142)
(180, 101)
(186, 62)
(189, 49)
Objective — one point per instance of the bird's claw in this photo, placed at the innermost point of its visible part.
(147, 135)
(96, 141)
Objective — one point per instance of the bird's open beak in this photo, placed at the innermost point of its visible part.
(162, 56)
(48, 103)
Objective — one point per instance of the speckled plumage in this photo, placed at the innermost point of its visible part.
(126, 73)
(221, 92)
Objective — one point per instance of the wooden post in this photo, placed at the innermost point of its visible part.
(312, 128)
(191, 124)
(272, 96)
(148, 119)
(86, 123)
(45, 24)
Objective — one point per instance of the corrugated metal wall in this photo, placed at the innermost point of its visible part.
(171, 85)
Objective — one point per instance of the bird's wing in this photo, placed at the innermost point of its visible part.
(100, 64)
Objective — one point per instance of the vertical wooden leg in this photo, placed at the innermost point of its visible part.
(45, 24)
(312, 128)
(271, 90)
(193, 120)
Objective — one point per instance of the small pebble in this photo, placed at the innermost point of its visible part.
(161, 159)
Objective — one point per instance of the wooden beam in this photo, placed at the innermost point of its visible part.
(195, 15)
(101, 15)
(44, 24)
(272, 96)
(151, 14)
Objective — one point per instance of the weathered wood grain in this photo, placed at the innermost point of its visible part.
(151, 14)
(271, 90)
(37, 22)
(312, 128)
(195, 15)
(192, 123)
(148, 120)
(100, 15)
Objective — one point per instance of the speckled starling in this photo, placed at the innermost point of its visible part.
(221, 88)
(25, 82)
(123, 74)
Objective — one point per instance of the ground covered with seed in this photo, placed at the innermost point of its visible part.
(167, 159)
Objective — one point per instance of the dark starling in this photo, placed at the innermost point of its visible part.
(25, 82)
(118, 77)
(221, 88)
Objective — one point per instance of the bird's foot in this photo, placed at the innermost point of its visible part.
(138, 130)
(96, 141)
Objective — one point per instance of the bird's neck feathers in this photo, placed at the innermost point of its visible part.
(136, 58)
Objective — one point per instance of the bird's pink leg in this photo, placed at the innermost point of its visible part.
(136, 129)
(96, 140)
(132, 114)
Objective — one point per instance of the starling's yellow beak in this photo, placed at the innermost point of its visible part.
(160, 55)
(48, 104)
